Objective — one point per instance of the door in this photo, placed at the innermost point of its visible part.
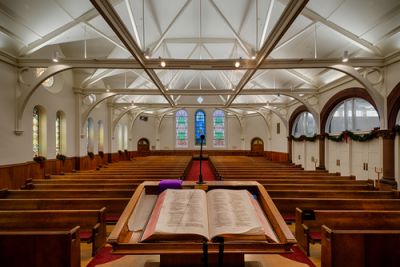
(257, 146)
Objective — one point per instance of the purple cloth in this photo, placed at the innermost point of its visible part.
(169, 184)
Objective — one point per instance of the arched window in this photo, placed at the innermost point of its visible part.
(39, 131)
(398, 118)
(90, 135)
(120, 139)
(60, 132)
(219, 128)
(36, 131)
(125, 137)
(304, 125)
(353, 114)
(181, 128)
(199, 126)
(100, 128)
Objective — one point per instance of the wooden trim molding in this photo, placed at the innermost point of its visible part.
(393, 103)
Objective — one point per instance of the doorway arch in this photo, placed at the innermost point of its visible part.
(257, 146)
(143, 147)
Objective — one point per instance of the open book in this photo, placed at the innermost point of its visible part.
(189, 214)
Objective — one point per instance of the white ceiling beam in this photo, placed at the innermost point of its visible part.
(36, 45)
(114, 21)
(94, 29)
(190, 81)
(287, 18)
(132, 20)
(196, 92)
(363, 44)
(240, 41)
(209, 64)
(160, 41)
(294, 37)
(302, 77)
(266, 23)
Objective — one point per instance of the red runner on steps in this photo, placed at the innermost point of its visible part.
(206, 171)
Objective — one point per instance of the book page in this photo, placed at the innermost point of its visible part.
(232, 212)
(141, 213)
(181, 211)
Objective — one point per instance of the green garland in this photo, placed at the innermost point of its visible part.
(355, 137)
(304, 138)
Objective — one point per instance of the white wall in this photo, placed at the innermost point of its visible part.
(17, 149)
(305, 153)
(255, 126)
(277, 142)
(167, 133)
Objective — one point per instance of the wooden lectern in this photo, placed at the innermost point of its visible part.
(177, 253)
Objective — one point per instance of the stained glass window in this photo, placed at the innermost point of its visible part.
(36, 131)
(58, 133)
(353, 114)
(90, 134)
(200, 126)
(219, 128)
(304, 125)
(181, 128)
(100, 127)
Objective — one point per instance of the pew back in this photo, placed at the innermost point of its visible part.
(40, 248)
(360, 248)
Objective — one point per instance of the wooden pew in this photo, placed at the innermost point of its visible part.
(18, 194)
(92, 223)
(118, 176)
(114, 206)
(309, 222)
(78, 186)
(40, 248)
(133, 182)
(333, 187)
(332, 194)
(359, 248)
(287, 206)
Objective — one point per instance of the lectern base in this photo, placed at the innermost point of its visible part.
(196, 260)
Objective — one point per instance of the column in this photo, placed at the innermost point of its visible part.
(289, 149)
(388, 177)
(321, 148)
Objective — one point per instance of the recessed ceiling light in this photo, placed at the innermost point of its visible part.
(237, 64)
(163, 64)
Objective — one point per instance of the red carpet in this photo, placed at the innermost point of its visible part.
(298, 256)
(206, 171)
(103, 256)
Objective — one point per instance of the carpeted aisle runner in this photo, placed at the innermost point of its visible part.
(206, 171)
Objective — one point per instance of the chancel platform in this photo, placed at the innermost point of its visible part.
(126, 236)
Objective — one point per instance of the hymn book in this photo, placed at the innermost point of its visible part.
(193, 214)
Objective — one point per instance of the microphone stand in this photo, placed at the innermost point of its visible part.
(200, 181)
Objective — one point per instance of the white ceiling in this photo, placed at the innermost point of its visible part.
(192, 30)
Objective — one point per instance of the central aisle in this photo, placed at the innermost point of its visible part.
(206, 170)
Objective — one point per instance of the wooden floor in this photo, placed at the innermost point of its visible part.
(257, 260)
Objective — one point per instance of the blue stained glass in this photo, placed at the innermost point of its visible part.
(200, 126)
